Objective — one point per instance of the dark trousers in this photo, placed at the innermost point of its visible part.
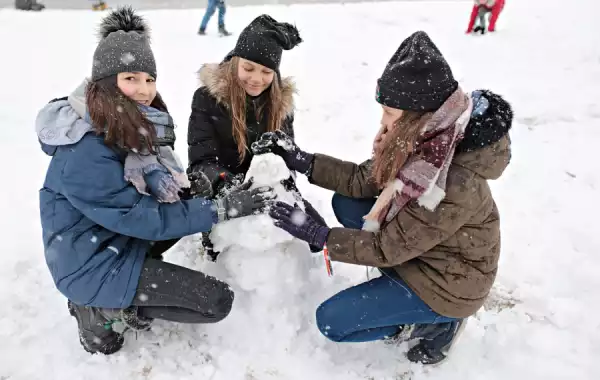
(378, 308)
(175, 293)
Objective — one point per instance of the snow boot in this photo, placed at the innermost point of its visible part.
(223, 32)
(95, 326)
(480, 29)
(435, 351)
(202, 32)
(95, 329)
(101, 6)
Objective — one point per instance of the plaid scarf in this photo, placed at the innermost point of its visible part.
(423, 176)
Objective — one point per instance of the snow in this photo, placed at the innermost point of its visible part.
(541, 321)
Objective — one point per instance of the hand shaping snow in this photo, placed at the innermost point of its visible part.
(282, 145)
(243, 202)
(299, 224)
(200, 185)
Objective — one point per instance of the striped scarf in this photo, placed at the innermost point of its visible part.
(423, 176)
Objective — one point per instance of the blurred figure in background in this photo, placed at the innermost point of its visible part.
(98, 5)
(479, 12)
(213, 5)
(29, 5)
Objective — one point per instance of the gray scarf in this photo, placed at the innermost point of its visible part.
(161, 175)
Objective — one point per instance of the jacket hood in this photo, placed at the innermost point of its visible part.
(488, 123)
(486, 147)
(214, 77)
(488, 162)
(62, 121)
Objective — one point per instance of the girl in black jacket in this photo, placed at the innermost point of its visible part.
(241, 98)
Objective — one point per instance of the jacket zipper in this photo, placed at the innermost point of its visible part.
(255, 111)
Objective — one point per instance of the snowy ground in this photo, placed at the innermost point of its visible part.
(541, 321)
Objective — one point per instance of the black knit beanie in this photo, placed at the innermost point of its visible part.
(264, 40)
(124, 45)
(417, 77)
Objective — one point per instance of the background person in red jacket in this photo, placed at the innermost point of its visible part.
(480, 10)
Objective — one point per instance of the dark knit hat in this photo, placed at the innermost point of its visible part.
(264, 40)
(124, 45)
(417, 77)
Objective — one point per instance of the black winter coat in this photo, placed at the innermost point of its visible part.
(211, 146)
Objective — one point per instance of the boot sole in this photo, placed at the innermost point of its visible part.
(108, 349)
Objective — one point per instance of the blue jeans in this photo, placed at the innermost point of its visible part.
(210, 10)
(378, 308)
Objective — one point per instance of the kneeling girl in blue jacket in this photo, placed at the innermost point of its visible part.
(112, 200)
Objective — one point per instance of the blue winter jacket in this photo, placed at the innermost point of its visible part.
(96, 227)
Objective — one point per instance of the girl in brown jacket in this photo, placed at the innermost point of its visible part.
(421, 210)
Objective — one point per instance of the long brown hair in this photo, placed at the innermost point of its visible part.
(237, 101)
(398, 145)
(116, 115)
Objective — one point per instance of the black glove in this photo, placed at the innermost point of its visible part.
(217, 175)
(282, 145)
(228, 182)
(243, 202)
(200, 185)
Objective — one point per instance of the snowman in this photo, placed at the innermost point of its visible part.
(258, 258)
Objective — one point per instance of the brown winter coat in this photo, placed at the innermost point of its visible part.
(449, 257)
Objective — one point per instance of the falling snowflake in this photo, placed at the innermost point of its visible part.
(143, 297)
(127, 58)
(298, 218)
(94, 239)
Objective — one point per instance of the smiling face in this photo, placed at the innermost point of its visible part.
(255, 78)
(139, 87)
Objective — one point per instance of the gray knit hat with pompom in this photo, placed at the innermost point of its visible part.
(124, 45)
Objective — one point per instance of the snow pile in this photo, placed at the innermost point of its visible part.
(268, 269)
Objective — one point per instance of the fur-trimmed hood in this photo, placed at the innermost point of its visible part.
(214, 77)
(490, 126)
(486, 147)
